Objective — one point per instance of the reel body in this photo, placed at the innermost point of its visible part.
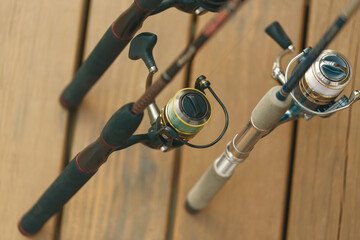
(324, 81)
(187, 112)
(318, 91)
(182, 117)
(179, 120)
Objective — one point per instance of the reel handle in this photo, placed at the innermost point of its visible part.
(116, 132)
(141, 47)
(276, 32)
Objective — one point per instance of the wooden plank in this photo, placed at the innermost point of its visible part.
(350, 218)
(129, 197)
(37, 53)
(324, 194)
(238, 62)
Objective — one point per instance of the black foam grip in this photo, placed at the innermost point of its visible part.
(276, 32)
(59, 192)
(105, 52)
(148, 5)
(121, 126)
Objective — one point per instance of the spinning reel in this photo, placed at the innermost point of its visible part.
(183, 116)
(317, 91)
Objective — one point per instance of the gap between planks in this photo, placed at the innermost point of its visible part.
(178, 154)
(71, 117)
(342, 201)
(294, 132)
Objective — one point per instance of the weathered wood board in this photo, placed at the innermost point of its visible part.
(238, 62)
(324, 199)
(129, 198)
(38, 44)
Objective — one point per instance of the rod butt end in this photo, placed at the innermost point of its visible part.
(190, 209)
(23, 231)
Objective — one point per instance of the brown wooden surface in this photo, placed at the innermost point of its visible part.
(38, 44)
(238, 62)
(325, 199)
(350, 222)
(129, 197)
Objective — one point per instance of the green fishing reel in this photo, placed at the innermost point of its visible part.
(185, 115)
(187, 112)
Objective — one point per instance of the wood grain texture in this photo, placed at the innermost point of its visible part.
(350, 217)
(238, 61)
(38, 44)
(324, 197)
(129, 197)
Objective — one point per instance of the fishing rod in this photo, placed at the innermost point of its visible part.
(117, 37)
(178, 122)
(312, 89)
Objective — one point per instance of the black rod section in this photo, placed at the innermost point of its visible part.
(115, 39)
(120, 127)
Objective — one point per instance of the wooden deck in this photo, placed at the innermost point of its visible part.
(305, 191)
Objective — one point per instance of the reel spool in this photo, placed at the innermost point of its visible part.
(187, 112)
(324, 81)
(185, 115)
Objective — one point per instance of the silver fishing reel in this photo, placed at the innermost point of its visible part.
(322, 84)
(324, 81)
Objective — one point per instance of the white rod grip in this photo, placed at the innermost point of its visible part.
(269, 110)
(205, 189)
